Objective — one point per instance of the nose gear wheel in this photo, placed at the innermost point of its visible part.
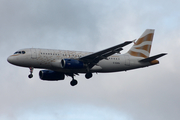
(31, 71)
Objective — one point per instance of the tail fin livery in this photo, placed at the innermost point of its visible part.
(142, 46)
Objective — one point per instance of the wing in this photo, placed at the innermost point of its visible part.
(94, 58)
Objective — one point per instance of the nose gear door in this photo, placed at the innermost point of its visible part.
(33, 53)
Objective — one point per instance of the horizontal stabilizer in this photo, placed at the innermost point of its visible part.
(149, 59)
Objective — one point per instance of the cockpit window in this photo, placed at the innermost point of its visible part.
(23, 52)
(16, 52)
(20, 52)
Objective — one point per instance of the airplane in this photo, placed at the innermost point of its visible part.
(60, 63)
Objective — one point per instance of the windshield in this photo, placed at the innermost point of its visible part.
(20, 52)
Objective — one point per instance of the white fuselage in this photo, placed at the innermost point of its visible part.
(58, 63)
(51, 59)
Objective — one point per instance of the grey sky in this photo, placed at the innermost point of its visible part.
(143, 94)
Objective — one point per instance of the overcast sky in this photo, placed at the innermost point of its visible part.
(151, 93)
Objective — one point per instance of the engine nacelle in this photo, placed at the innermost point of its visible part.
(56, 64)
(72, 64)
(50, 75)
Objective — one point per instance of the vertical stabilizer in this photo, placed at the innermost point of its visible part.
(142, 46)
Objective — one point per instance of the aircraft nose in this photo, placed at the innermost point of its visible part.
(15, 60)
(10, 59)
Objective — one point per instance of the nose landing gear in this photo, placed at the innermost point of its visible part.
(31, 71)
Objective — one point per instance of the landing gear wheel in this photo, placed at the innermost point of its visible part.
(88, 75)
(30, 75)
(73, 82)
(31, 71)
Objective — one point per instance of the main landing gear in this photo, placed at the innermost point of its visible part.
(73, 82)
(31, 71)
(88, 75)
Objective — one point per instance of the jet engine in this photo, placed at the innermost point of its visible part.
(72, 64)
(50, 75)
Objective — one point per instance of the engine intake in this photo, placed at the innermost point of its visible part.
(72, 64)
(50, 75)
